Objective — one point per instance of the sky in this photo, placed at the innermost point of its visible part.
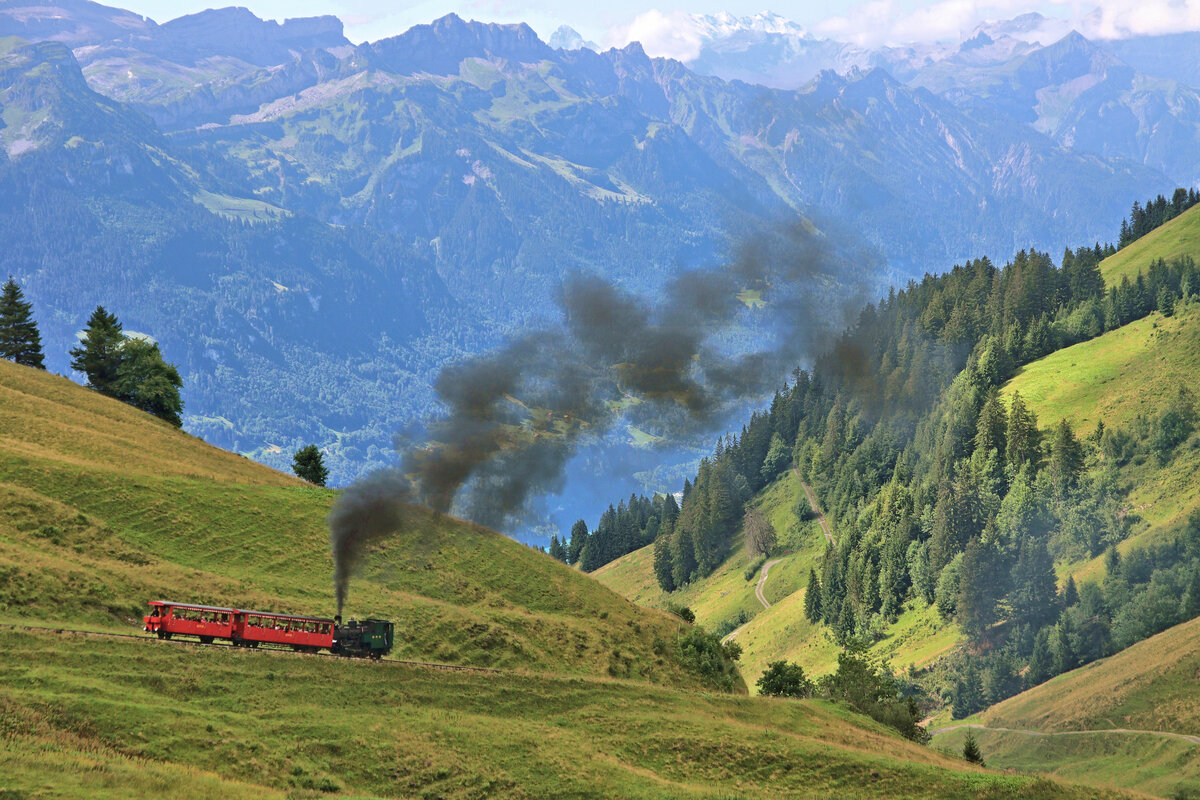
(665, 29)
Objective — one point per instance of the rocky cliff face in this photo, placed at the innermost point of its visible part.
(238, 33)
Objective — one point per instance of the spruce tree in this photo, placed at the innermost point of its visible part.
(662, 560)
(1070, 594)
(812, 597)
(99, 355)
(308, 463)
(971, 750)
(19, 337)
(579, 536)
(1066, 458)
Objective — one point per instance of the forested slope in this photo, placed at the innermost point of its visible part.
(956, 498)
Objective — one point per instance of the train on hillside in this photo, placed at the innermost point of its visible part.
(368, 638)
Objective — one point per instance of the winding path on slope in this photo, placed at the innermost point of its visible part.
(758, 592)
(1183, 736)
(762, 577)
(812, 501)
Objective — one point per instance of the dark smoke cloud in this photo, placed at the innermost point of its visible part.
(515, 416)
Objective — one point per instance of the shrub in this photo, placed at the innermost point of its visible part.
(683, 612)
(754, 567)
(704, 654)
(781, 679)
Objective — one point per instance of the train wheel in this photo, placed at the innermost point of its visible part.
(206, 640)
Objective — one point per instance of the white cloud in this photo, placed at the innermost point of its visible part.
(876, 22)
(1124, 18)
(670, 35)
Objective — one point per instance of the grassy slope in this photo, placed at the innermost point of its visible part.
(148, 718)
(102, 508)
(1179, 237)
(780, 632)
(1116, 377)
(1150, 686)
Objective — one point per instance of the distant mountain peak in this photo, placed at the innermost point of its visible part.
(567, 38)
(439, 47)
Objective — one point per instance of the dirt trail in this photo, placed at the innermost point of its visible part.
(812, 501)
(758, 592)
(1183, 736)
(762, 581)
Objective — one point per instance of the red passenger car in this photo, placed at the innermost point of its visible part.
(246, 628)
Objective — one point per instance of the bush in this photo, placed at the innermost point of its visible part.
(683, 612)
(754, 567)
(704, 654)
(781, 679)
(803, 509)
(866, 684)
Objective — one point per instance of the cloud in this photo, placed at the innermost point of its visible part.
(879, 22)
(1125, 18)
(668, 35)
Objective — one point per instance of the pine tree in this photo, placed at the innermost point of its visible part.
(19, 337)
(579, 536)
(1023, 439)
(812, 597)
(1034, 596)
(557, 551)
(1066, 458)
(1166, 301)
(971, 749)
(309, 464)
(99, 355)
(662, 560)
(1070, 594)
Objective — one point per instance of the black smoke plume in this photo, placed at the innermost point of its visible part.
(515, 416)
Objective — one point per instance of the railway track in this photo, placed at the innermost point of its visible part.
(266, 649)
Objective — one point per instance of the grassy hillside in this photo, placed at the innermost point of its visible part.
(151, 718)
(781, 631)
(103, 508)
(1179, 237)
(1127, 372)
(1147, 687)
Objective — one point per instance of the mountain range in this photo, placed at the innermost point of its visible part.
(311, 228)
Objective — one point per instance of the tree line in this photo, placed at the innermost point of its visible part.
(130, 369)
(1145, 218)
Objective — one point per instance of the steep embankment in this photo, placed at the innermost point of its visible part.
(781, 631)
(103, 507)
(1126, 374)
(1149, 687)
(1179, 237)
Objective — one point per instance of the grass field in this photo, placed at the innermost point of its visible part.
(150, 718)
(1179, 237)
(1115, 377)
(1150, 686)
(103, 508)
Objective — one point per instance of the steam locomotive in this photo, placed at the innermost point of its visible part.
(368, 638)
